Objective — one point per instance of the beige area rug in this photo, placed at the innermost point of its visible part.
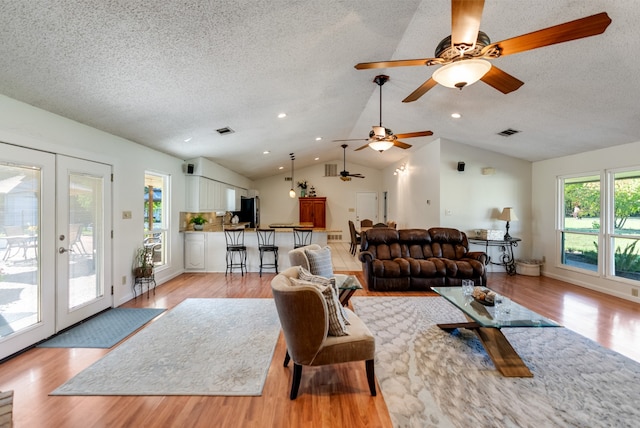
(431, 378)
(201, 347)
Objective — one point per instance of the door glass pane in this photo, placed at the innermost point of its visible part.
(85, 220)
(20, 203)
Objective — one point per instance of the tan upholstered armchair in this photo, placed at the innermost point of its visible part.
(305, 322)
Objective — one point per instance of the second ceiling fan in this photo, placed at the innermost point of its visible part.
(381, 138)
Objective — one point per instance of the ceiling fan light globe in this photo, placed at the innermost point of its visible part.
(380, 146)
(461, 73)
(292, 193)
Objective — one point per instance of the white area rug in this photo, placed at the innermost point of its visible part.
(201, 347)
(431, 378)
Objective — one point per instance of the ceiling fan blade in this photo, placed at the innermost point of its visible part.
(465, 22)
(500, 80)
(397, 63)
(414, 134)
(363, 147)
(401, 144)
(430, 83)
(584, 27)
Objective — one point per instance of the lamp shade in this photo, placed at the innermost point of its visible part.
(381, 145)
(508, 214)
(461, 73)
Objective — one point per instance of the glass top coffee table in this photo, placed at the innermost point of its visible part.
(486, 322)
(349, 286)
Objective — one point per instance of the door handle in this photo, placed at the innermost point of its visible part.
(62, 250)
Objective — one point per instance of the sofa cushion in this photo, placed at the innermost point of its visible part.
(415, 243)
(337, 326)
(320, 262)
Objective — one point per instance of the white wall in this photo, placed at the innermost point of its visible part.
(544, 175)
(277, 207)
(27, 126)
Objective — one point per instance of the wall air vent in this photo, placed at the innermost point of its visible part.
(224, 131)
(508, 132)
(330, 170)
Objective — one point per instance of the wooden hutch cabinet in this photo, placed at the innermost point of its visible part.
(313, 210)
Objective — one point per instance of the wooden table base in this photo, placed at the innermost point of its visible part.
(504, 357)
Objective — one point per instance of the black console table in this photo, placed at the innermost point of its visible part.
(506, 248)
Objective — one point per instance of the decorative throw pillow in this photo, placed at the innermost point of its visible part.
(320, 262)
(305, 275)
(337, 326)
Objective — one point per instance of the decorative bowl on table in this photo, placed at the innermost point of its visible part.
(484, 295)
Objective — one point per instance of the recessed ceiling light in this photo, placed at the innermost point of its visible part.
(455, 115)
(281, 167)
(266, 152)
(186, 140)
(282, 115)
(317, 159)
(318, 138)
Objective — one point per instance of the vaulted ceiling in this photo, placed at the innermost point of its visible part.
(169, 74)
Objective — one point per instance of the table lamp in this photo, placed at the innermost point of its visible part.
(507, 215)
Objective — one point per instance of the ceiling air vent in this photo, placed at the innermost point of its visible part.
(508, 132)
(224, 131)
(330, 170)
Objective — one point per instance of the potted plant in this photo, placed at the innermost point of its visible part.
(198, 222)
(143, 263)
(303, 186)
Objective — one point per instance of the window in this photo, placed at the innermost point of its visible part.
(600, 223)
(626, 224)
(156, 216)
(580, 222)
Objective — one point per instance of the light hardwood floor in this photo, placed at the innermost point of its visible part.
(329, 396)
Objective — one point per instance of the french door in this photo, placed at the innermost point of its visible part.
(53, 273)
(83, 240)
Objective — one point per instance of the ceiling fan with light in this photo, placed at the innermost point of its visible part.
(463, 55)
(381, 138)
(344, 174)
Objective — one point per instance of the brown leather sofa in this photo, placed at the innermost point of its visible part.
(416, 259)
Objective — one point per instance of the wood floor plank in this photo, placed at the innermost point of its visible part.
(329, 396)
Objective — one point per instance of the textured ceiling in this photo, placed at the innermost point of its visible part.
(158, 73)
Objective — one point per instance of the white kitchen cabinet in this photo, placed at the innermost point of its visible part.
(195, 251)
(205, 195)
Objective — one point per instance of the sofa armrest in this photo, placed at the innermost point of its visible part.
(366, 256)
(481, 256)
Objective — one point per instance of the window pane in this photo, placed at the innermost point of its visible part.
(581, 222)
(155, 215)
(627, 203)
(582, 204)
(579, 250)
(626, 258)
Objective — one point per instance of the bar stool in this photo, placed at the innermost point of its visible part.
(301, 237)
(267, 244)
(236, 250)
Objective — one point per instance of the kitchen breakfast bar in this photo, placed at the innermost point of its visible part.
(205, 251)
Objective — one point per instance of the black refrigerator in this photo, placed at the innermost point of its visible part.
(249, 211)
